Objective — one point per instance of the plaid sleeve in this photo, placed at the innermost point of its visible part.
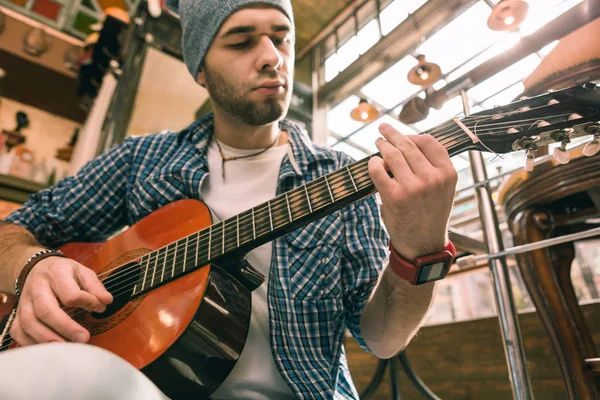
(364, 256)
(89, 206)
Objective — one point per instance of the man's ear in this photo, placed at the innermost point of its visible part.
(201, 78)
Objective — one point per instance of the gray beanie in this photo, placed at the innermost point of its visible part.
(202, 19)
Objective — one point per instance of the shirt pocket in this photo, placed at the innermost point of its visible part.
(314, 253)
(155, 192)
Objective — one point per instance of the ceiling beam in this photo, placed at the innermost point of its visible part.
(429, 18)
(332, 26)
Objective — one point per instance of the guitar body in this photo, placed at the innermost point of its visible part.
(186, 335)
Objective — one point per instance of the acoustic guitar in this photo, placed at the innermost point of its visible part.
(181, 285)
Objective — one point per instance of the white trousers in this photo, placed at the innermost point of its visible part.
(71, 371)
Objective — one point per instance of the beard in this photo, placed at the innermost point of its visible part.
(252, 112)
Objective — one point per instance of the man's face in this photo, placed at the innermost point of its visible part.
(248, 69)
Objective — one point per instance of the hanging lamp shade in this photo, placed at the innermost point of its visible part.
(364, 112)
(508, 15)
(425, 73)
(415, 110)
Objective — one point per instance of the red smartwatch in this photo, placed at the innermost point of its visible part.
(423, 269)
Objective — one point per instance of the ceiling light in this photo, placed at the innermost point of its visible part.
(364, 112)
(425, 73)
(508, 15)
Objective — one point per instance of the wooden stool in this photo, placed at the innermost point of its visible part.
(551, 201)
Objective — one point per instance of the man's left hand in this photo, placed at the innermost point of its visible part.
(417, 199)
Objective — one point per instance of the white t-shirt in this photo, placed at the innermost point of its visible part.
(248, 183)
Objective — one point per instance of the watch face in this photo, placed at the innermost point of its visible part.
(432, 272)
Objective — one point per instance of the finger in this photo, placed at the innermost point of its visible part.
(394, 160)
(416, 160)
(378, 173)
(90, 282)
(68, 291)
(16, 332)
(48, 311)
(33, 327)
(433, 150)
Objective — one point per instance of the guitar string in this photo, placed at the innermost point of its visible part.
(319, 184)
(177, 265)
(356, 164)
(278, 201)
(219, 227)
(72, 312)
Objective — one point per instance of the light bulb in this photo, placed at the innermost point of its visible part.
(364, 115)
(509, 20)
(424, 75)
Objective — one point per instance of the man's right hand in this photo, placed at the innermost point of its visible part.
(40, 318)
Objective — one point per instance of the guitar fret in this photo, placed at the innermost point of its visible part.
(162, 275)
(308, 198)
(287, 200)
(185, 252)
(253, 225)
(145, 275)
(329, 188)
(223, 238)
(209, 240)
(351, 178)
(174, 259)
(270, 215)
(154, 270)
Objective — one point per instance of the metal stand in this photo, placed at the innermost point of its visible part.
(507, 315)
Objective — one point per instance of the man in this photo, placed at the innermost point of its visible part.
(323, 278)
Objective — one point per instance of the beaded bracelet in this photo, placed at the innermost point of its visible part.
(33, 260)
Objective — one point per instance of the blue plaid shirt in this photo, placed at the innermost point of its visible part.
(321, 275)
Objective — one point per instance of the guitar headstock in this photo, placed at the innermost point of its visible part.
(530, 123)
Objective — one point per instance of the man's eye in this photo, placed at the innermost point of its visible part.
(241, 45)
(280, 41)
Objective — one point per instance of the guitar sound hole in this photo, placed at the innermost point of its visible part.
(120, 284)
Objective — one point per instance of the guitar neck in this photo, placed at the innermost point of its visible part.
(235, 236)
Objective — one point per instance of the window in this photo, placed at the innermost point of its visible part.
(397, 12)
(391, 87)
(509, 76)
(461, 39)
(542, 12)
(338, 119)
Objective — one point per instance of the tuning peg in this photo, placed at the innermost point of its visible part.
(542, 124)
(529, 160)
(553, 101)
(592, 147)
(510, 131)
(574, 116)
(561, 155)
